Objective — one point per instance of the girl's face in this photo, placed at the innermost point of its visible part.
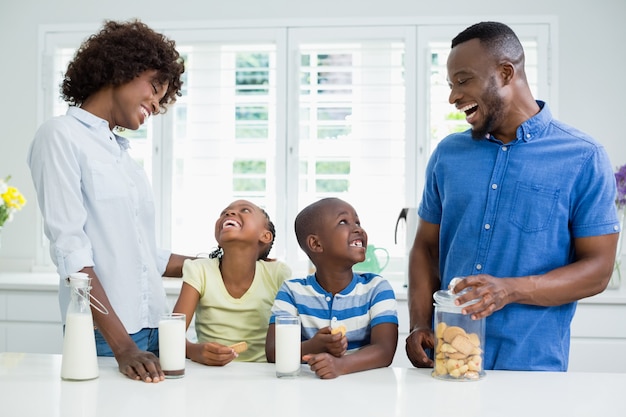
(241, 221)
(136, 100)
(340, 233)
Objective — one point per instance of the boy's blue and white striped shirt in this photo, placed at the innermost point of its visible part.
(366, 302)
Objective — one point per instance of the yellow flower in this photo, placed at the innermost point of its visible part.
(11, 200)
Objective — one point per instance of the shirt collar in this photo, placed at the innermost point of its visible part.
(96, 123)
(88, 119)
(531, 128)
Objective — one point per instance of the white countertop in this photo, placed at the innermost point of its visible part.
(30, 385)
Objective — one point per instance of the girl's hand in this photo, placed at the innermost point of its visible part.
(212, 354)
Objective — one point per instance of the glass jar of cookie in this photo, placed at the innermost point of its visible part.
(459, 340)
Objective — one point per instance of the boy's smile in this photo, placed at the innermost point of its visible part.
(357, 243)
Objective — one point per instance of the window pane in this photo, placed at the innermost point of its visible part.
(227, 151)
(352, 133)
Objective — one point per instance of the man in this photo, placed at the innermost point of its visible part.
(521, 206)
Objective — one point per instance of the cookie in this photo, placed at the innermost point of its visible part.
(239, 347)
(451, 332)
(441, 327)
(473, 337)
(463, 344)
(339, 329)
(475, 363)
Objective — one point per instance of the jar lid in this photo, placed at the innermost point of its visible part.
(447, 297)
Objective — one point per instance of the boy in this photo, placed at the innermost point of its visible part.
(349, 320)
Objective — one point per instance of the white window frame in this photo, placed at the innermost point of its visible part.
(304, 35)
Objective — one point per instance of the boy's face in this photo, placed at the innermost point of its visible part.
(340, 234)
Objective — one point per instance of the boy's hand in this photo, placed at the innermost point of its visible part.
(341, 329)
(324, 365)
(213, 354)
(335, 344)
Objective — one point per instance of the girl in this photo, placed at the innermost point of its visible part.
(232, 291)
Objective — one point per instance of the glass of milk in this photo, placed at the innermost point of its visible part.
(288, 339)
(172, 341)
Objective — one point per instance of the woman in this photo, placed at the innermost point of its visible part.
(96, 200)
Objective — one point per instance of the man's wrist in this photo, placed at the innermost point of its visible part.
(418, 328)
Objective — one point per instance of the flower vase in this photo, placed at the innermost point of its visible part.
(616, 277)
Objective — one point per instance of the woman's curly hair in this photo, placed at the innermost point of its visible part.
(116, 55)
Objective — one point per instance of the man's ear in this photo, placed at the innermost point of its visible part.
(507, 72)
(314, 244)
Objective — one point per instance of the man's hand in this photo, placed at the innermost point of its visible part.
(416, 343)
(492, 294)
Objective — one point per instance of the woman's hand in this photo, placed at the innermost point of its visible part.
(140, 365)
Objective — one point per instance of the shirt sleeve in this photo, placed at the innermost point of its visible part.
(195, 275)
(594, 213)
(55, 167)
(430, 208)
(384, 305)
(282, 273)
(163, 258)
(284, 304)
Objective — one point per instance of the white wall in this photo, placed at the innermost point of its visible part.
(591, 58)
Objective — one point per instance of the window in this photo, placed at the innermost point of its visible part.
(228, 151)
(352, 129)
(284, 116)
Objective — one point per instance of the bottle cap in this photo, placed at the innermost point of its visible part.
(78, 279)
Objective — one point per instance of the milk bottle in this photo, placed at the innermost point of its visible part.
(79, 361)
